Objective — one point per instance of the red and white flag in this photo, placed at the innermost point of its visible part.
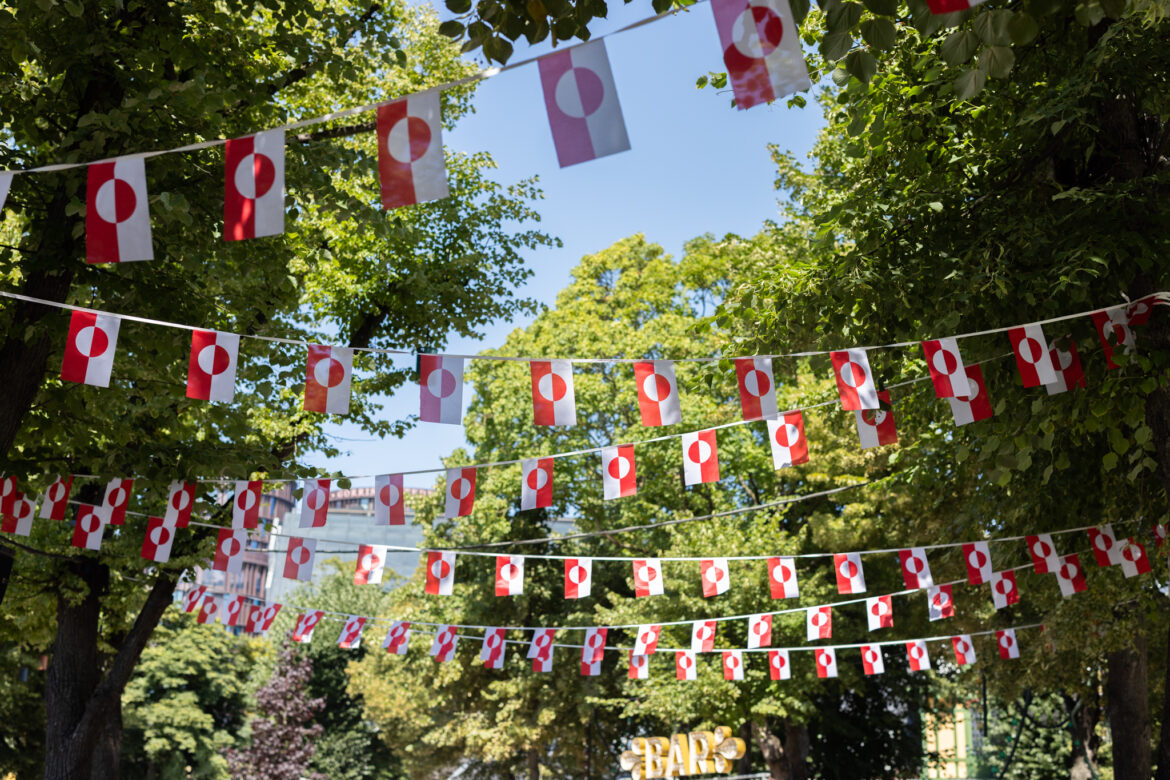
(230, 608)
(328, 375)
(5, 183)
(350, 637)
(639, 667)
(543, 663)
(389, 501)
(21, 519)
(940, 602)
(253, 186)
(1070, 576)
(1133, 558)
(594, 648)
(229, 550)
(117, 216)
(657, 392)
(975, 407)
(761, 50)
(1137, 312)
(440, 573)
(684, 665)
(647, 577)
(397, 638)
(702, 636)
(1106, 548)
(951, 6)
(180, 502)
(540, 648)
(1008, 646)
(871, 659)
(578, 577)
(371, 564)
(782, 578)
(850, 576)
(757, 388)
(715, 575)
(582, 103)
(619, 475)
(1161, 533)
(411, 166)
(964, 650)
(977, 556)
(160, 535)
(8, 495)
(779, 667)
(879, 612)
(1033, 356)
(492, 650)
(1004, 592)
(789, 447)
(252, 615)
(443, 645)
(306, 623)
(700, 457)
(211, 369)
(553, 399)
(315, 503)
(440, 389)
(246, 507)
(56, 498)
(266, 617)
(826, 658)
(915, 568)
(509, 575)
(1115, 333)
(117, 499)
(1043, 551)
(919, 658)
(89, 348)
(209, 609)
(732, 664)
(193, 598)
(298, 561)
(819, 623)
(946, 368)
(646, 640)
(759, 631)
(854, 380)
(1069, 373)
(460, 492)
(536, 483)
(591, 668)
(875, 427)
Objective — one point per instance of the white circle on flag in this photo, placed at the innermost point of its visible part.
(824, 659)
(755, 382)
(781, 573)
(1004, 586)
(1102, 542)
(704, 632)
(759, 627)
(316, 499)
(647, 573)
(552, 387)
(1006, 642)
(370, 561)
(494, 640)
(389, 494)
(714, 573)
(409, 139)
(509, 572)
(699, 451)
(637, 661)
(656, 387)
(915, 565)
(757, 32)
(818, 618)
(848, 569)
(1030, 350)
(254, 176)
(300, 555)
(159, 535)
(329, 372)
(579, 92)
(56, 491)
(1130, 552)
(593, 640)
(977, 559)
(115, 201)
(460, 488)
(91, 341)
(944, 362)
(961, 647)
(440, 569)
(787, 435)
(732, 662)
(941, 599)
(777, 661)
(1041, 548)
(117, 497)
(441, 383)
(230, 546)
(853, 374)
(1063, 359)
(213, 359)
(880, 608)
(684, 661)
(578, 574)
(871, 656)
(181, 500)
(537, 478)
(246, 500)
(619, 467)
(916, 651)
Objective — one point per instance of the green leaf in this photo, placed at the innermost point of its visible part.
(800, 10)
(969, 83)
(1022, 28)
(878, 33)
(1109, 462)
(451, 28)
(835, 45)
(840, 76)
(883, 7)
(959, 47)
(844, 17)
(992, 27)
(997, 61)
(498, 49)
(458, 6)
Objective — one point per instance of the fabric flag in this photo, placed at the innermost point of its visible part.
(21, 519)
(761, 50)
(246, 507)
(1070, 576)
(647, 577)
(619, 475)
(298, 561)
(578, 577)
(879, 611)
(582, 103)
(591, 668)
(541, 649)
(229, 550)
(1043, 551)
(715, 575)
(594, 648)
(1161, 533)
(193, 598)
(1003, 589)
(116, 500)
(702, 636)
(1133, 558)
(919, 658)
(951, 6)
(328, 375)
(56, 498)
(657, 392)
(440, 389)
(964, 650)
(553, 399)
(639, 667)
(492, 650)
(759, 631)
(946, 368)
(440, 573)
(253, 186)
(5, 184)
(209, 609)
(411, 166)
(350, 637)
(732, 664)
(252, 615)
(389, 502)
(315, 504)
(117, 216)
(89, 348)
(180, 501)
(684, 665)
(850, 576)
(826, 658)
(789, 447)
(1115, 333)
(915, 568)
(977, 556)
(1008, 646)
(1138, 312)
(371, 563)
(460, 492)
(156, 545)
(230, 608)
(757, 388)
(509, 575)
(267, 616)
(782, 578)
(779, 667)
(443, 645)
(397, 638)
(1106, 549)
(871, 659)
(211, 369)
(536, 483)
(1033, 356)
(819, 623)
(875, 427)
(974, 407)
(700, 457)
(8, 494)
(646, 640)
(305, 625)
(940, 602)
(1069, 373)
(854, 380)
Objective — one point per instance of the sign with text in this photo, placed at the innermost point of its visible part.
(697, 753)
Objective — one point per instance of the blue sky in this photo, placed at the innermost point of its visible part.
(695, 166)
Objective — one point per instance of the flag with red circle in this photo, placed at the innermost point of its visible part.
(440, 389)
(160, 535)
(759, 631)
(782, 578)
(591, 668)
(56, 498)
(252, 615)
(440, 573)
(915, 568)
(491, 652)
(536, 483)
(879, 612)
(265, 616)
(315, 503)
(964, 649)
(89, 348)
(786, 434)
(389, 500)
(855, 382)
(328, 376)
(350, 637)
(21, 519)
(761, 50)
(647, 577)
(639, 667)
(685, 667)
(594, 648)
(875, 427)
(1042, 550)
(444, 643)
(951, 6)
(578, 577)
(371, 564)
(975, 407)
(8, 494)
(298, 561)
(305, 625)
(1106, 548)
(253, 190)
(230, 609)
(229, 550)
(850, 575)
(1161, 533)
(977, 556)
(397, 638)
(871, 659)
(947, 372)
(819, 623)
(646, 640)
(657, 392)
(779, 666)
(509, 575)
(581, 100)
(553, 399)
(757, 388)
(1113, 329)
(702, 636)
(180, 502)
(193, 598)
(619, 474)
(1009, 648)
(117, 499)
(460, 492)
(1133, 558)
(1004, 592)
(826, 658)
(1033, 355)
(209, 609)
(117, 215)
(940, 602)
(1069, 374)
(246, 506)
(211, 368)
(411, 166)
(715, 575)
(540, 649)
(1070, 576)
(732, 664)
(917, 655)
(700, 457)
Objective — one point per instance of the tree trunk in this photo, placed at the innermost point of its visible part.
(1083, 716)
(1164, 737)
(533, 765)
(744, 765)
(107, 754)
(1127, 704)
(785, 761)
